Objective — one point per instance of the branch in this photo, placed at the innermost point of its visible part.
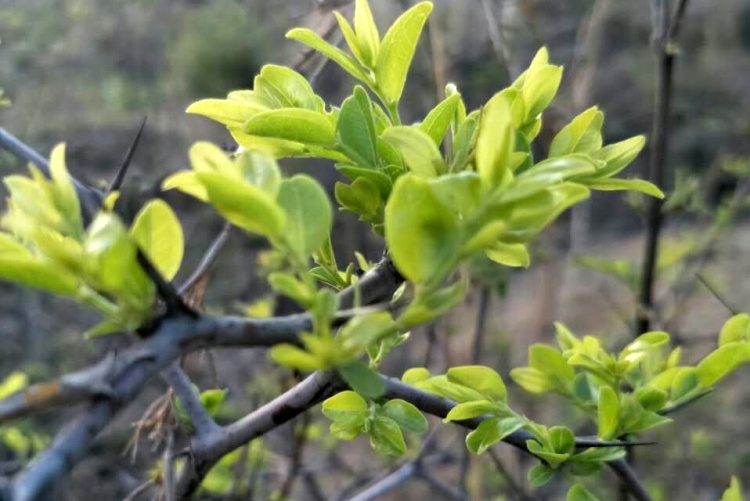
(190, 399)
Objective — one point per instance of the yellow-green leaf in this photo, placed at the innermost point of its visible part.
(159, 234)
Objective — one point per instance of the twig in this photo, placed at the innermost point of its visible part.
(715, 293)
(190, 400)
(122, 171)
(389, 482)
(517, 490)
(169, 467)
(138, 490)
(208, 259)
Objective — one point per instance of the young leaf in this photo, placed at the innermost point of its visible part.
(735, 329)
(286, 88)
(186, 182)
(346, 407)
(229, 112)
(540, 475)
(540, 88)
(514, 255)
(297, 358)
(579, 493)
(419, 151)
(386, 437)
(638, 185)
(482, 379)
(722, 362)
(422, 234)
(405, 415)
(38, 274)
(292, 124)
(158, 232)
(609, 412)
(734, 492)
(468, 410)
(491, 431)
(362, 379)
(415, 375)
(308, 214)
(313, 40)
(397, 51)
(368, 38)
(619, 155)
(438, 120)
(356, 129)
(582, 135)
(495, 141)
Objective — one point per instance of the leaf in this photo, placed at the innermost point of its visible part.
(212, 400)
(386, 437)
(532, 380)
(439, 385)
(515, 255)
(362, 379)
(294, 357)
(722, 362)
(308, 214)
(415, 375)
(261, 170)
(643, 344)
(734, 492)
(562, 440)
(619, 155)
(158, 233)
(419, 151)
(229, 112)
(539, 89)
(495, 141)
(469, 410)
(550, 361)
(243, 205)
(356, 129)
(397, 51)
(292, 124)
(405, 415)
(553, 459)
(638, 185)
(368, 38)
(346, 407)
(38, 274)
(186, 182)
(482, 379)
(13, 383)
(579, 493)
(286, 88)
(581, 135)
(735, 329)
(438, 120)
(609, 412)
(422, 234)
(491, 431)
(313, 40)
(540, 475)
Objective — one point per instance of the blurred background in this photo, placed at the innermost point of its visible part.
(87, 72)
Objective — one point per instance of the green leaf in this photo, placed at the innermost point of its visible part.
(482, 379)
(562, 440)
(158, 232)
(423, 235)
(243, 205)
(368, 38)
(464, 141)
(363, 330)
(313, 40)
(438, 120)
(491, 431)
(734, 492)
(229, 112)
(419, 151)
(581, 135)
(386, 437)
(609, 413)
(469, 410)
(532, 380)
(722, 362)
(405, 415)
(495, 141)
(362, 379)
(212, 400)
(346, 407)
(440, 385)
(515, 255)
(735, 329)
(361, 197)
(356, 129)
(619, 155)
(550, 361)
(539, 89)
(415, 375)
(292, 124)
(13, 383)
(579, 493)
(651, 398)
(540, 475)
(38, 274)
(286, 88)
(382, 181)
(638, 185)
(288, 285)
(643, 344)
(261, 170)
(397, 51)
(685, 383)
(186, 182)
(308, 214)
(294, 357)
(461, 192)
(553, 459)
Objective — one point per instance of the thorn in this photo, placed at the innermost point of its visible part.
(120, 176)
